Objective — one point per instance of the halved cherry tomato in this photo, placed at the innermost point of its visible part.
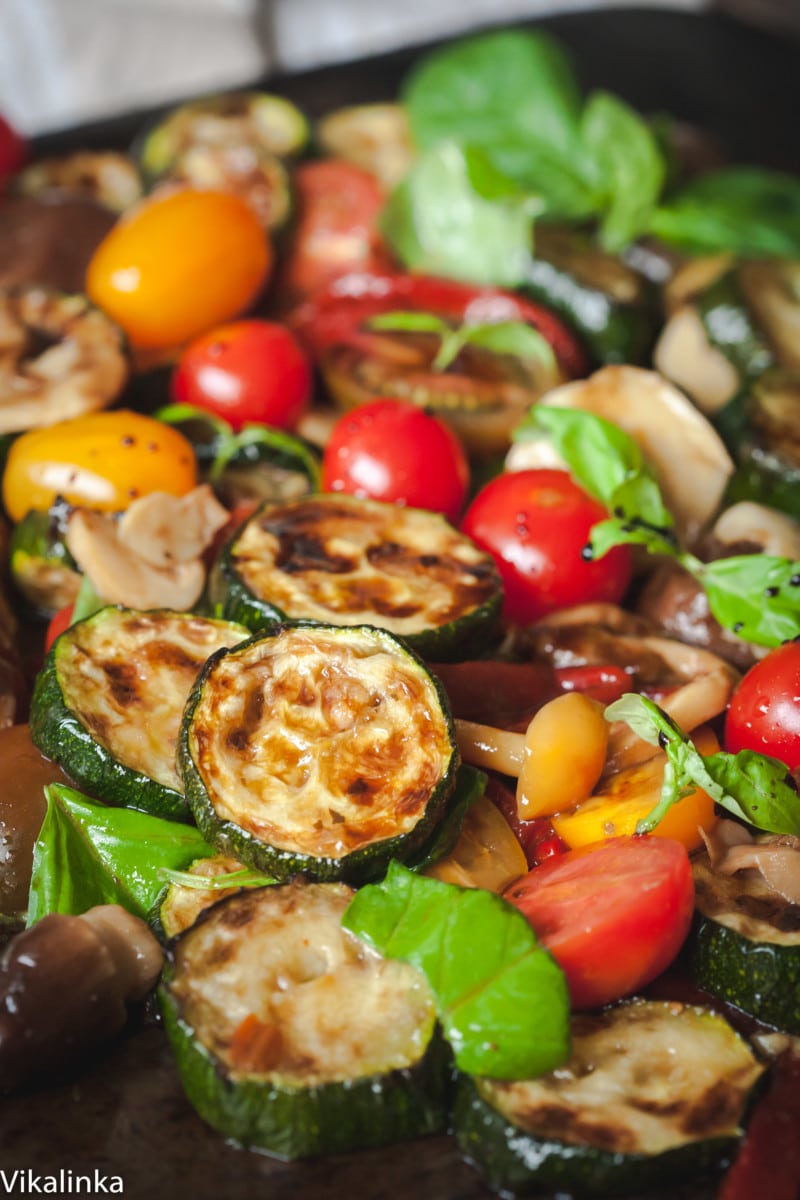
(13, 150)
(103, 460)
(391, 450)
(58, 623)
(614, 916)
(248, 371)
(337, 206)
(764, 711)
(535, 524)
(179, 264)
(481, 394)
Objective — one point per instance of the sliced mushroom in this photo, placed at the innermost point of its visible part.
(59, 358)
(65, 985)
(120, 576)
(771, 288)
(761, 529)
(694, 277)
(676, 439)
(684, 355)
(165, 530)
(733, 848)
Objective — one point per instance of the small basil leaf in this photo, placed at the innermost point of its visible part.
(445, 218)
(87, 853)
(744, 209)
(513, 337)
(757, 789)
(408, 322)
(629, 166)
(753, 595)
(502, 1000)
(752, 786)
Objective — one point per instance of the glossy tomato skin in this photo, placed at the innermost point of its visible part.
(764, 712)
(104, 460)
(614, 915)
(13, 150)
(180, 263)
(248, 371)
(391, 450)
(535, 524)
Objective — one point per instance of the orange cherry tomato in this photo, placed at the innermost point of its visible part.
(179, 264)
(103, 460)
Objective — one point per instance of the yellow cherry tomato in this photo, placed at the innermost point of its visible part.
(104, 460)
(179, 264)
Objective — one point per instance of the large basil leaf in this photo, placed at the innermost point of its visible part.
(88, 853)
(502, 1000)
(515, 96)
(750, 211)
(456, 215)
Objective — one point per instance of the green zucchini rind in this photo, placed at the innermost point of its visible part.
(349, 1056)
(323, 749)
(347, 561)
(654, 1091)
(745, 947)
(107, 705)
(42, 568)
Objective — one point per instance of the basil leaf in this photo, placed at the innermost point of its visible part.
(622, 531)
(513, 337)
(87, 853)
(629, 165)
(454, 215)
(744, 209)
(501, 998)
(754, 787)
(409, 322)
(513, 95)
(604, 459)
(753, 594)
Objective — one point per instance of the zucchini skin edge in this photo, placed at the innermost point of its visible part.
(332, 1118)
(55, 726)
(758, 978)
(514, 1162)
(360, 866)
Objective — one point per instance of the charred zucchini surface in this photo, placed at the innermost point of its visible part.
(318, 749)
(305, 1041)
(108, 703)
(653, 1089)
(349, 561)
(746, 947)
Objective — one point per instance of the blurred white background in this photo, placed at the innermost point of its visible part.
(66, 61)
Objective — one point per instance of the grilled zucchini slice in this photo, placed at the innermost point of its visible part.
(347, 561)
(108, 703)
(653, 1090)
(746, 945)
(320, 749)
(307, 1042)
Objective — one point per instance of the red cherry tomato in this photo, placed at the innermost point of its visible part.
(614, 915)
(536, 524)
(335, 230)
(58, 623)
(392, 450)
(764, 712)
(248, 371)
(13, 150)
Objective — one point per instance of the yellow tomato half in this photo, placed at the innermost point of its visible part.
(103, 460)
(179, 264)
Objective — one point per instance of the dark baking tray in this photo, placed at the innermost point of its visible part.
(125, 1113)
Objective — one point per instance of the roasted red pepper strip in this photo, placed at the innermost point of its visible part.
(768, 1163)
(604, 683)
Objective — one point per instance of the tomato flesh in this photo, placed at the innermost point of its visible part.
(764, 712)
(245, 372)
(614, 915)
(536, 524)
(391, 450)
